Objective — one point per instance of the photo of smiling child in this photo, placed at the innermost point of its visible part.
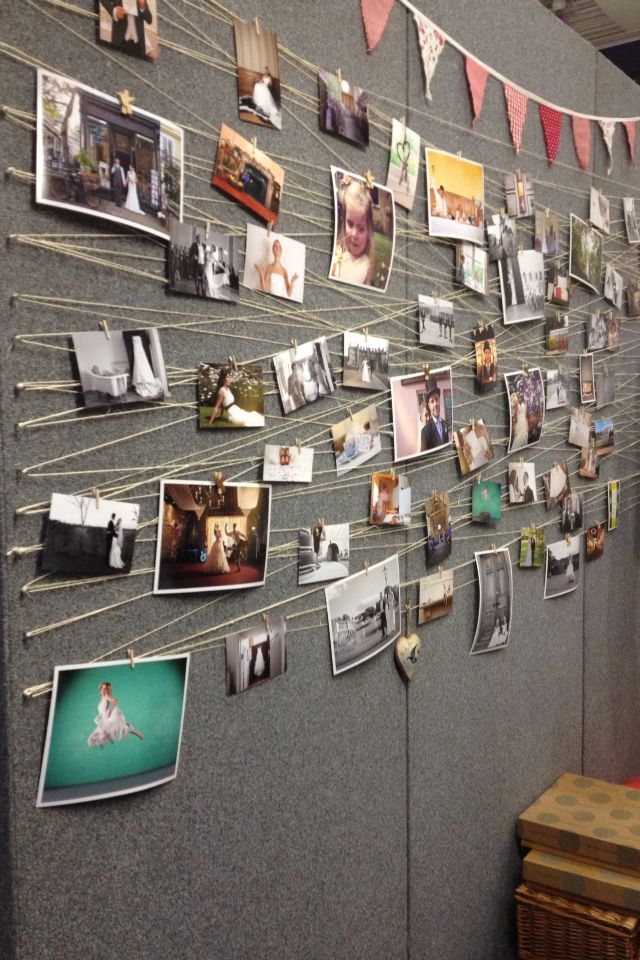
(364, 231)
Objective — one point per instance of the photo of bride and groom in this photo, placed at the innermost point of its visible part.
(203, 262)
(258, 75)
(123, 366)
(89, 535)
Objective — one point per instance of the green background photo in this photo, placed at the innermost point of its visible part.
(486, 502)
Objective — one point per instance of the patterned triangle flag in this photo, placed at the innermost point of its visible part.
(630, 127)
(582, 140)
(608, 128)
(431, 46)
(551, 121)
(375, 14)
(517, 103)
(477, 76)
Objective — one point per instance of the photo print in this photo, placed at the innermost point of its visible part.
(365, 361)
(525, 391)
(589, 462)
(562, 570)
(558, 285)
(404, 163)
(531, 548)
(390, 500)
(613, 331)
(472, 267)
(293, 464)
(130, 26)
(202, 262)
(230, 395)
(557, 388)
(126, 366)
(422, 412)
(304, 374)
(494, 608)
(585, 254)
(439, 529)
(364, 231)
(435, 322)
(89, 535)
(248, 175)
(631, 219)
(519, 194)
(580, 427)
(587, 386)
(522, 482)
(633, 299)
(613, 504)
(556, 484)
(571, 518)
(258, 74)
(356, 439)
(605, 388)
(113, 730)
(557, 333)
(92, 159)
(599, 211)
(604, 436)
(522, 286)
(455, 194)
(212, 538)
(473, 446)
(502, 237)
(436, 596)
(364, 614)
(323, 552)
(546, 232)
(344, 108)
(486, 502)
(613, 286)
(486, 351)
(594, 541)
(274, 264)
(255, 655)
(596, 330)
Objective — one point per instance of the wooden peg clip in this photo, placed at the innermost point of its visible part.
(366, 334)
(96, 494)
(459, 154)
(547, 212)
(494, 548)
(339, 75)
(407, 610)
(567, 537)
(479, 478)
(265, 620)
(403, 121)
(294, 346)
(132, 658)
(299, 445)
(269, 229)
(368, 176)
(232, 362)
(472, 423)
(440, 572)
(366, 567)
(525, 369)
(350, 412)
(254, 144)
(219, 479)
(256, 24)
(207, 227)
(321, 522)
(105, 326)
(426, 369)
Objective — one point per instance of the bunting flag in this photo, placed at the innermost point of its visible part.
(375, 14)
(630, 127)
(431, 46)
(517, 103)
(582, 140)
(551, 121)
(608, 129)
(477, 77)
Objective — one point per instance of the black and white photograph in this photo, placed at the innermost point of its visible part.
(323, 552)
(364, 231)
(502, 237)
(613, 286)
(613, 331)
(558, 285)
(599, 210)
(522, 482)
(255, 655)
(557, 333)
(472, 267)
(89, 535)
(248, 175)
(404, 163)
(129, 26)
(556, 484)
(562, 569)
(230, 396)
(604, 436)
(519, 194)
(605, 388)
(202, 262)
(558, 383)
(390, 504)
(274, 264)
(580, 427)
(422, 410)
(473, 446)
(356, 439)
(435, 322)
(364, 614)
(633, 299)
(585, 254)
(304, 374)
(365, 361)
(292, 464)
(211, 537)
(594, 541)
(436, 596)
(587, 385)
(596, 330)
(494, 604)
(525, 393)
(571, 517)
(486, 351)
(455, 196)
(522, 286)
(123, 366)
(589, 462)
(546, 232)
(439, 529)
(258, 69)
(92, 159)
(344, 108)
(631, 219)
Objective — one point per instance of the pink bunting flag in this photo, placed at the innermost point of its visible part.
(608, 128)
(375, 14)
(551, 121)
(630, 127)
(517, 103)
(431, 46)
(477, 76)
(582, 140)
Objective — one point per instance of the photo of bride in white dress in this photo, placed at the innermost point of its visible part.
(125, 367)
(203, 262)
(85, 535)
(229, 397)
(258, 75)
(132, 202)
(525, 393)
(274, 264)
(216, 561)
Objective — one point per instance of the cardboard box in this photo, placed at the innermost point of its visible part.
(582, 880)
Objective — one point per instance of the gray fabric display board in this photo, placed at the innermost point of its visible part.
(316, 817)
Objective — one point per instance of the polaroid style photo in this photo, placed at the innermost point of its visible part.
(133, 31)
(422, 413)
(473, 446)
(439, 529)
(212, 538)
(580, 427)
(522, 482)
(404, 163)
(519, 194)
(256, 655)
(531, 548)
(557, 333)
(364, 231)
(605, 388)
(274, 264)
(435, 597)
(585, 254)
(522, 286)
(364, 614)
(90, 536)
(365, 361)
(558, 285)
(587, 386)
(525, 393)
(604, 436)
(631, 219)
(557, 388)
(203, 262)
(455, 197)
(230, 396)
(472, 267)
(125, 367)
(304, 374)
(572, 508)
(596, 331)
(486, 502)
(113, 730)
(589, 462)
(613, 331)
(248, 175)
(613, 286)
(323, 552)
(390, 500)
(594, 541)
(613, 504)
(633, 299)
(258, 69)
(344, 108)
(435, 322)
(356, 439)
(502, 237)
(486, 351)
(495, 601)
(546, 232)
(556, 484)
(293, 464)
(599, 211)
(562, 569)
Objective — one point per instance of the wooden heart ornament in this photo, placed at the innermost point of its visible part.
(407, 653)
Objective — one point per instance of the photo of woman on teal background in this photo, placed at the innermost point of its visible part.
(113, 729)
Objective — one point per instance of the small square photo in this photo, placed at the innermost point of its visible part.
(557, 333)
(631, 219)
(292, 464)
(323, 552)
(594, 541)
(455, 196)
(304, 374)
(230, 396)
(356, 439)
(274, 264)
(519, 194)
(525, 392)
(439, 527)
(596, 331)
(522, 482)
(522, 286)
(486, 502)
(125, 367)
(587, 384)
(494, 609)
(613, 286)
(585, 254)
(258, 75)
(589, 462)
(202, 262)
(546, 232)
(599, 211)
(404, 163)
(486, 351)
(90, 536)
(473, 446)
(558, 285)
(435, 322)
(571, 518)
(364, 231)
(531, 547)
(129, 26)
(562, 572)
(256, 655)
(556, 484)
(365, 361)
(580, 427)
(472, 267)
(502, 237)
(422, 412)
(436, 596)
(344, 108)
(390, 500)
(604, 436)
(557, 388)
(248, 175)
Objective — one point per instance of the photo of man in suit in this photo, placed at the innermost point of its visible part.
(434, 433)
(128, 19)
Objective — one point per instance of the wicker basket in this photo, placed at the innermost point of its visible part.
(552, 927)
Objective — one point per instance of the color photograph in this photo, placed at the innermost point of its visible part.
(558, 285)
(605, 388)
(202, 262)
(304, 374)
(364, 231)
(519, 194)
(613, 504)
(557, 333)
(473, 446)
(404, 163)
(455, 197)
(422, 413)
(486, 502)
(248, 175)
(472, 267)
(531, 548)
(323, 552)
(546, 232)
(356, 439)
(589, 462)
(274, 264)
(525, 391)
(599, 210)
(129, 26)
(436, 596)
(604, 436)
(365, 361)
(255, 655)
(486, 351)
(556, 484)
(494, 607)
(594, 541)
(558, 386)
(631, 219)
(522, 482)
(585, 254)
(587, 384)
(125, 366)
(522, 286)
(344, 108)
(439, 529)
(89, 535)
(390, 500)
(230, 396)
(435, 322)
(633, 299)
(258, 74)
(502, 237)
(613, 331)
(562, 569)
(580, 427)
(293, 464)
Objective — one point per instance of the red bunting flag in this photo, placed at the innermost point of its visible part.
(517, 103)
(375, 14)
(582, 140)
(630, 127)
(551, 121)
(477, 77)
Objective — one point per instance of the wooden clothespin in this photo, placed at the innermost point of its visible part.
(294, 346)
(368, 176)
(254, 144)
(407, 610)
(366, 567)
(366, 334)
(403, 121)
(207, 227)
(256, 24)
(520, 460)
(350, 412)
(392, 471)
(219, 479)
(298, 445)
(479, 478)
(494, 548)
(503, 210)
(96, 494)
(472, 423)
(433, 494)
(567, 537)
(269, 229)
(105, 326)
(547, 211)
(440, 572)
(426, 369)
(458, 154)
(132, 658)
(525, 369)
(339, 75)
(321, 522)
(265, 620)
(232, 362)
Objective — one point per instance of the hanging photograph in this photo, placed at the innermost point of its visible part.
(631, 219)
(494, 607)
(404, 163)
(589, 462)
(455, 196)
(571, 518)
(344, 108)
(580, 427)
(436, 596)
(472, 267)
(522, 482)
(486, 351)
(613, 331)
(473, 446)
(255, 655)
(230, 396)
(92, 159)
(599, 211)
(604, 436)
(556, 484)
(558, 285)
(613, 503)
(502, 237)
(304, 374)
(202, 262)
(356, 439)
(113, 730)
(364, 614)
(596, 330)
(274, 264)
(525, 392)
(546, 232)
(585, 254)
(390, 500)
(323, 552)
(422, 410)
(531, 548)
(435, 322)
(365, 361)
(293, 464)
(587, 386)
(557, 333)
(126, 366)
(486, 502)
(364, 231)
(439, 527)
(613, 286)
(211, 538)
(633, 299)
(258, 69)
(89, 535)
(594, 541)
(130, 26)
(248, 175)
(605, 388)
(557, 388)
(522, 286)
(562, 569)
(519, 195)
